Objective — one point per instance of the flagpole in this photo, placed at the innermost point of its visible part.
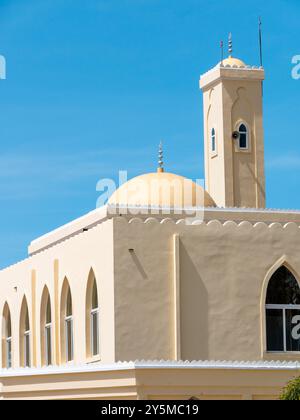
(260, 42)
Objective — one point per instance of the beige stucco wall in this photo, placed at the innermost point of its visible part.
(223, 274)
(167, 290)
(72, 259)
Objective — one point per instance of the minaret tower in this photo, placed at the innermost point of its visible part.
(233, 133)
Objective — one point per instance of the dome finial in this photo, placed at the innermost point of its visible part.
(160, 158)
(230, 44)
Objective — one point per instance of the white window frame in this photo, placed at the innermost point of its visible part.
(95, 312)
(283, 308)
(27, 356)
(69, 321)
(8, 349)
(48, 327)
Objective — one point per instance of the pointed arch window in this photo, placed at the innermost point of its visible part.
(243, 137)
(69, 328)
(95, 322)
(6, 338)
(67, 324)
(46, 329)
(25, 356)
(92, 318)
(213, 140)
(283, 312)
(48, 334)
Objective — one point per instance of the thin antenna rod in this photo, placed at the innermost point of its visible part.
(222, 51)
(260, 41)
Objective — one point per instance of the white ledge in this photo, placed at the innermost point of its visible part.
(158, 364)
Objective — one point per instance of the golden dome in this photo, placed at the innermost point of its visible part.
(230, 61)
(161, 189)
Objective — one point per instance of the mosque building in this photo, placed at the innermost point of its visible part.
(170, 290)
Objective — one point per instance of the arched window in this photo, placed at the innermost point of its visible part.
(213, 140)
(92, 317)
(6, 338)
(67, 343)
(283, 312)
(244, 137)
(25, 357)
(46, 329)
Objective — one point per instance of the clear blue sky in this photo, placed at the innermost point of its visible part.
(93, 86)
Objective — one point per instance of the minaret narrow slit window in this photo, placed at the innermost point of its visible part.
(213, 141)
(244, 137)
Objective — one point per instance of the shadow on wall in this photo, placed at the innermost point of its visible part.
(194, 310)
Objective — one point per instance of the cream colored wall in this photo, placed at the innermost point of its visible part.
(144, 383)
(214, 162)
(223, 276)
(234, 178)
(72, 259)
(167, 290)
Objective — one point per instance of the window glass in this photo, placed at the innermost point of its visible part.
(275, 330)
(48, 345)
(27, 321)
(48, 312)
(8, 326)
(27, 349)
(243, 141)
(69, 340)
(69, 310)
(283, 288)
(95, 333)
(283, 312)
(213, 140)
(95, 297)
(293, 329)
(8, 354)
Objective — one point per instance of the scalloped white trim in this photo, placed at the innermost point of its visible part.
(155, 364)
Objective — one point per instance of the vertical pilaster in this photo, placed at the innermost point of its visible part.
(176, 296)
(57, 317)
(33, 326)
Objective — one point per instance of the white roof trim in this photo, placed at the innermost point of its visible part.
(140, 365)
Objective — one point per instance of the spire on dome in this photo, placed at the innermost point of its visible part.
(230, 49)
(160, 158)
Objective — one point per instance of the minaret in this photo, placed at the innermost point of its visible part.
(233, 133)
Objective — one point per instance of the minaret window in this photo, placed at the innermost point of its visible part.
(283, 312)
(244, 137)
(213, 141)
